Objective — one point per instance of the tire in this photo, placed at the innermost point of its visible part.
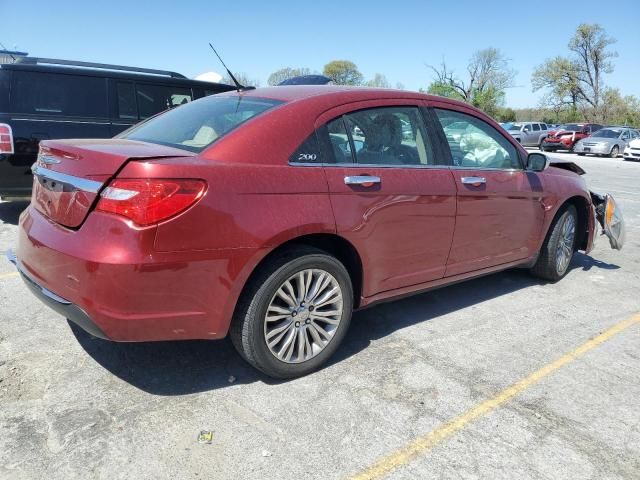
(548, 265)
(615, 151)
(542, 148)
(250, 328)
(581, 154)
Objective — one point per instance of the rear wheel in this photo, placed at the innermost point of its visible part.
(614, 151)
(559, 246)
(294, 313)
(581, 154)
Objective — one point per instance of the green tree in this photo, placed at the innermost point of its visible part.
(590, 46)
(343, 72)
(285, 73)
(506, 115)
(487, 77)
(379, 81)
(559, 76)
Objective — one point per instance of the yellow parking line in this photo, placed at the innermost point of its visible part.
(8, 275)
(405, 454)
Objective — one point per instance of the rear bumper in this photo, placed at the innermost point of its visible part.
(58, 304)
(15, 175)
(108, 275)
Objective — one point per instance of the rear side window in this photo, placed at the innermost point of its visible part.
(154, 99)
(197, 125)
(59, 94)
(127, 101)
(308, 151)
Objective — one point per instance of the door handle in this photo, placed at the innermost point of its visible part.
(362, 180)
(475, 181)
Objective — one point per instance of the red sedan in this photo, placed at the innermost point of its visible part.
(272, 214)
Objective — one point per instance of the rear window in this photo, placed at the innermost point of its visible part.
(197, 125)
(59, 94)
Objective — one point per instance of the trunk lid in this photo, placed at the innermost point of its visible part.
(69, 174)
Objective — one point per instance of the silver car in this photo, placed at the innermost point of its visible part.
(529, 134)
(610, 141)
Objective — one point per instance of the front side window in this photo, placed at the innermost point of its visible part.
(42, 93)
(198, 124)
(154, 99)
(478, 144)
(536, 127)
(383, 136)
(543, 126)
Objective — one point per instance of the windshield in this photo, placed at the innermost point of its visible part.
(196, 125)
(572, 127)
(606, 133)
(515, 126)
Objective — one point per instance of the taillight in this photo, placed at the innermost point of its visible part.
(6, 138)
(151, 200)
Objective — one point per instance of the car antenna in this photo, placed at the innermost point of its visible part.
(239, 86)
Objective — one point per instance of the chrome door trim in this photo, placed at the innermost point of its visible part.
(75, 183)
(57, 121)
(363, 180)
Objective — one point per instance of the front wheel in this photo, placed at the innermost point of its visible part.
(614, 151)
(559, 246)
(294, 313)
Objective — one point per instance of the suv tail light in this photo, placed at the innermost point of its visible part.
(6, 139)
(150, 200)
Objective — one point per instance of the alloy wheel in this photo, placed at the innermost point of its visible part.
(564, 250)
(303, 315)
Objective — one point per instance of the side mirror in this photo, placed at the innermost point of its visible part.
(537, 162)
(526, 129)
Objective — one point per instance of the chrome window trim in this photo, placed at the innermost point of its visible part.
(490, 169)
(366, 165)
(90, 186)
(57, 121)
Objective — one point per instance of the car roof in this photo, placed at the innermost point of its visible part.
(290, 93)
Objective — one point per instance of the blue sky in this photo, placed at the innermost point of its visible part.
(394, 38)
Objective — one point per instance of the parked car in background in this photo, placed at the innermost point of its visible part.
(632, 151)
(529, 134)
(258, 214)
(565, 136)
(610, 141)
(47, 98)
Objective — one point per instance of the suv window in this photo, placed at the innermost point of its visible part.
(154, 99)
(197, 125)
(543, 126)
(383, 136)
(5, 77)
(478, 145)
(59, 94)
(536, 127)
(127, 101)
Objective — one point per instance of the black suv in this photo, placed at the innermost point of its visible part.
(47, 98)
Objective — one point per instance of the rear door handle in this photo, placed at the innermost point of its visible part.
(475, 181)
(362, 180)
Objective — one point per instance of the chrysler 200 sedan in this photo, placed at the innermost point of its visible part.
(271, 214)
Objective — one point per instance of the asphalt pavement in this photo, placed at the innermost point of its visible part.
(503, 377)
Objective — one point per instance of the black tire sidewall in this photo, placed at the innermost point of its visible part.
(263, 359)
(554, 239)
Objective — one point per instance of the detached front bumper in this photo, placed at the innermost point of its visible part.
(57, 303)
(556, 146)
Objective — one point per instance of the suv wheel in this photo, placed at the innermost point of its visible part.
(559, 246)
(294, 313)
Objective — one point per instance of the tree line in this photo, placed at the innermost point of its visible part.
(573, 84)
